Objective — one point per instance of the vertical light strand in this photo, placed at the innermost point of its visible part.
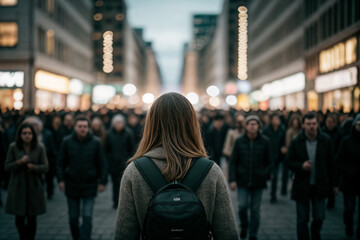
(242, 45)
(108, 52)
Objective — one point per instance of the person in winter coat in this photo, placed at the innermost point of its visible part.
(348, 160)
(172, 139)
(45, 137)
(215, 138)
(119, 146)
(275, 132)
(331, 129)
(98, 129)
(234, 134)
(250, 168)
(294, 128)
(312, 162)
(81, 172)
(26, 161)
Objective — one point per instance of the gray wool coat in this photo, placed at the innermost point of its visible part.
(135, 195)
(26, 194)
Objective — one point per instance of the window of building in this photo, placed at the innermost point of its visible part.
(50, 6)
(98, 16)
(8, 34)
(8, 3)
(42, 40)
(50, 42)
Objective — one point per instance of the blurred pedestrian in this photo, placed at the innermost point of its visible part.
(331, 129)
(215, 138)
(2, 158)
(250, 168)
(134, 125)
(348, 160)
(119, 147)
(55, 130)
(44, 136)
(98, 129)
(67, 127)
(234, 134)
(291, 133)
(26, 160)
(81, 172)
(276, 134)
(172, 140)
(313, 163)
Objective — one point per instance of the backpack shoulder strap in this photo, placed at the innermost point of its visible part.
(197, 172)
(151, 173)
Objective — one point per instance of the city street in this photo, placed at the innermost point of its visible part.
(277, 221)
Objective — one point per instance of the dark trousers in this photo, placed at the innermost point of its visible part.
(116, 180)
(249, 198)
(83, 232)
(274, 180)
(49, 178)
(285, 178)
(349, 209)
(318, 216)
(26, 230)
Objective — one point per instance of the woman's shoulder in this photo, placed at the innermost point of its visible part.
(215, 174)
(131, 173)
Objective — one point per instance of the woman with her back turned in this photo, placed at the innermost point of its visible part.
(172, 139)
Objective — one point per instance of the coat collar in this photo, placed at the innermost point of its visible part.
(320, 137)
(157, 153)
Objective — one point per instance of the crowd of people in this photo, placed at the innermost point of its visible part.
(318, 152)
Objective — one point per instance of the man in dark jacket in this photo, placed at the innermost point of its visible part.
(348, 160)
(331, 129)
(119, 146)
(250, 168)
(312, 161)
(276, 134)
(81, 172)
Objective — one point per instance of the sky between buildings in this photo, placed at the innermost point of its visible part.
(168, 24)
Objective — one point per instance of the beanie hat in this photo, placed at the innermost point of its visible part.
(253, 117)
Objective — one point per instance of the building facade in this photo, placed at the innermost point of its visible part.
(122, 56)
(215, 54)
(275, 56)
(45, 54)
(331, 40)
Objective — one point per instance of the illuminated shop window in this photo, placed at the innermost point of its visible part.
(8, 3)
(8, 34)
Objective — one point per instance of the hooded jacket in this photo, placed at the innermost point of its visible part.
(348, 160)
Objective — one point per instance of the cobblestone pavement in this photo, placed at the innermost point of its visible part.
(278, 220)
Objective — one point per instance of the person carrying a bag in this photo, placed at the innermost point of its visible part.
(172, 145)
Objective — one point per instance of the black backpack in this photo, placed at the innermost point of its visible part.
(175, 212)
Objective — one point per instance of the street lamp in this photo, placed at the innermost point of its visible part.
(214, 101)
(231, 100)
(148, 98)
(213, 91)
(129, 89)
(192, 97)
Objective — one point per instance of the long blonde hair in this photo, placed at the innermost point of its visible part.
(172, 124)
